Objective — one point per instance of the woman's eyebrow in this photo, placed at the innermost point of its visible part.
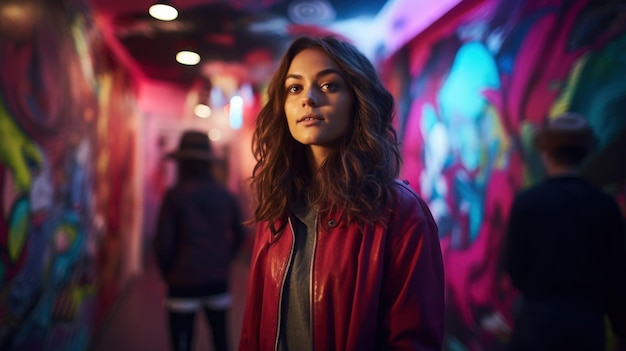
(319, 74)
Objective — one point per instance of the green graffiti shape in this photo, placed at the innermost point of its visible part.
(16, 149)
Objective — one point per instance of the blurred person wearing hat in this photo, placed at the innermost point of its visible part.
(565, 249)
(199, 232)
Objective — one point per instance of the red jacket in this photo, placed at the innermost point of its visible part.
(372, 288)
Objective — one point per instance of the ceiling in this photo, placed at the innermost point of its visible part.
(241, 38)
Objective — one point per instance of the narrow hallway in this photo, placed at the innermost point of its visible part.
(139, 321)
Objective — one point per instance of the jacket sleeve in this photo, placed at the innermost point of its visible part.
(413, 297)
(238, 228)
(165, 234)
(251, 324)
(616, 304)
(517, 245)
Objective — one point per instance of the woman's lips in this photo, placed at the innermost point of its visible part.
(309, 118)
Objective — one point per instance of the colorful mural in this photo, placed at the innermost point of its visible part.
(479, 82)
(67, 135)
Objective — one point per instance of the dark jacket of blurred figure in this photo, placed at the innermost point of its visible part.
(566, 250)
(199, 232)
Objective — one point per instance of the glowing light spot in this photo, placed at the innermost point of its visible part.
(311, 11)
(202, 111)
(189, 58)
(236, 112)
(163, 12)
(215, 134)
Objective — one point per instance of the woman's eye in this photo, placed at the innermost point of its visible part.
(329, 86)
(293, 89)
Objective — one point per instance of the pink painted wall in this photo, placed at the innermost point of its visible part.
(471, 88)
(68, 177)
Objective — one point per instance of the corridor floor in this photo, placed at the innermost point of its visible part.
(138, 322)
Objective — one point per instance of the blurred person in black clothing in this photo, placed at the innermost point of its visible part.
(199, 232)
(566, 249)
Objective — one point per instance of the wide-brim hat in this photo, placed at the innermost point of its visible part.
(193, 145)
(567, 130)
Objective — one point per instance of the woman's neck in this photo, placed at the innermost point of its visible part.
(316, 155)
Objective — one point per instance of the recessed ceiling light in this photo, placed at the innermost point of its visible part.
(163, 12)
(311, 11)
(202, 111)
(186, 57)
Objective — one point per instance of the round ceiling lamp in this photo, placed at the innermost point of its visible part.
(187, 57)
(163, 11)
(311, 11)
(202, 111)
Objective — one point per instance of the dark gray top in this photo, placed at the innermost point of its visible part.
(295, 328)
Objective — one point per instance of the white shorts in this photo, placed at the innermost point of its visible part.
(195, 304)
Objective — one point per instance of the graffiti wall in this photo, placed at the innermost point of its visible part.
(471, 90)
(67, 160)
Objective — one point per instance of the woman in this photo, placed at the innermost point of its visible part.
(345, 257)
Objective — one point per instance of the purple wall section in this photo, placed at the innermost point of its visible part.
(471, 89)
(67, 157)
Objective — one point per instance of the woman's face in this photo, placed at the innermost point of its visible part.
(318, 102)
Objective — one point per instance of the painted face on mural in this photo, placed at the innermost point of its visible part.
(318, 105)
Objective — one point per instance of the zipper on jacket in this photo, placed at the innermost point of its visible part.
(311, 326)
(282, 284)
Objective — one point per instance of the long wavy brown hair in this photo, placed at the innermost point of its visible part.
(358, 177)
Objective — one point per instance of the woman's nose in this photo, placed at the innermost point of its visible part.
(309, 98)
